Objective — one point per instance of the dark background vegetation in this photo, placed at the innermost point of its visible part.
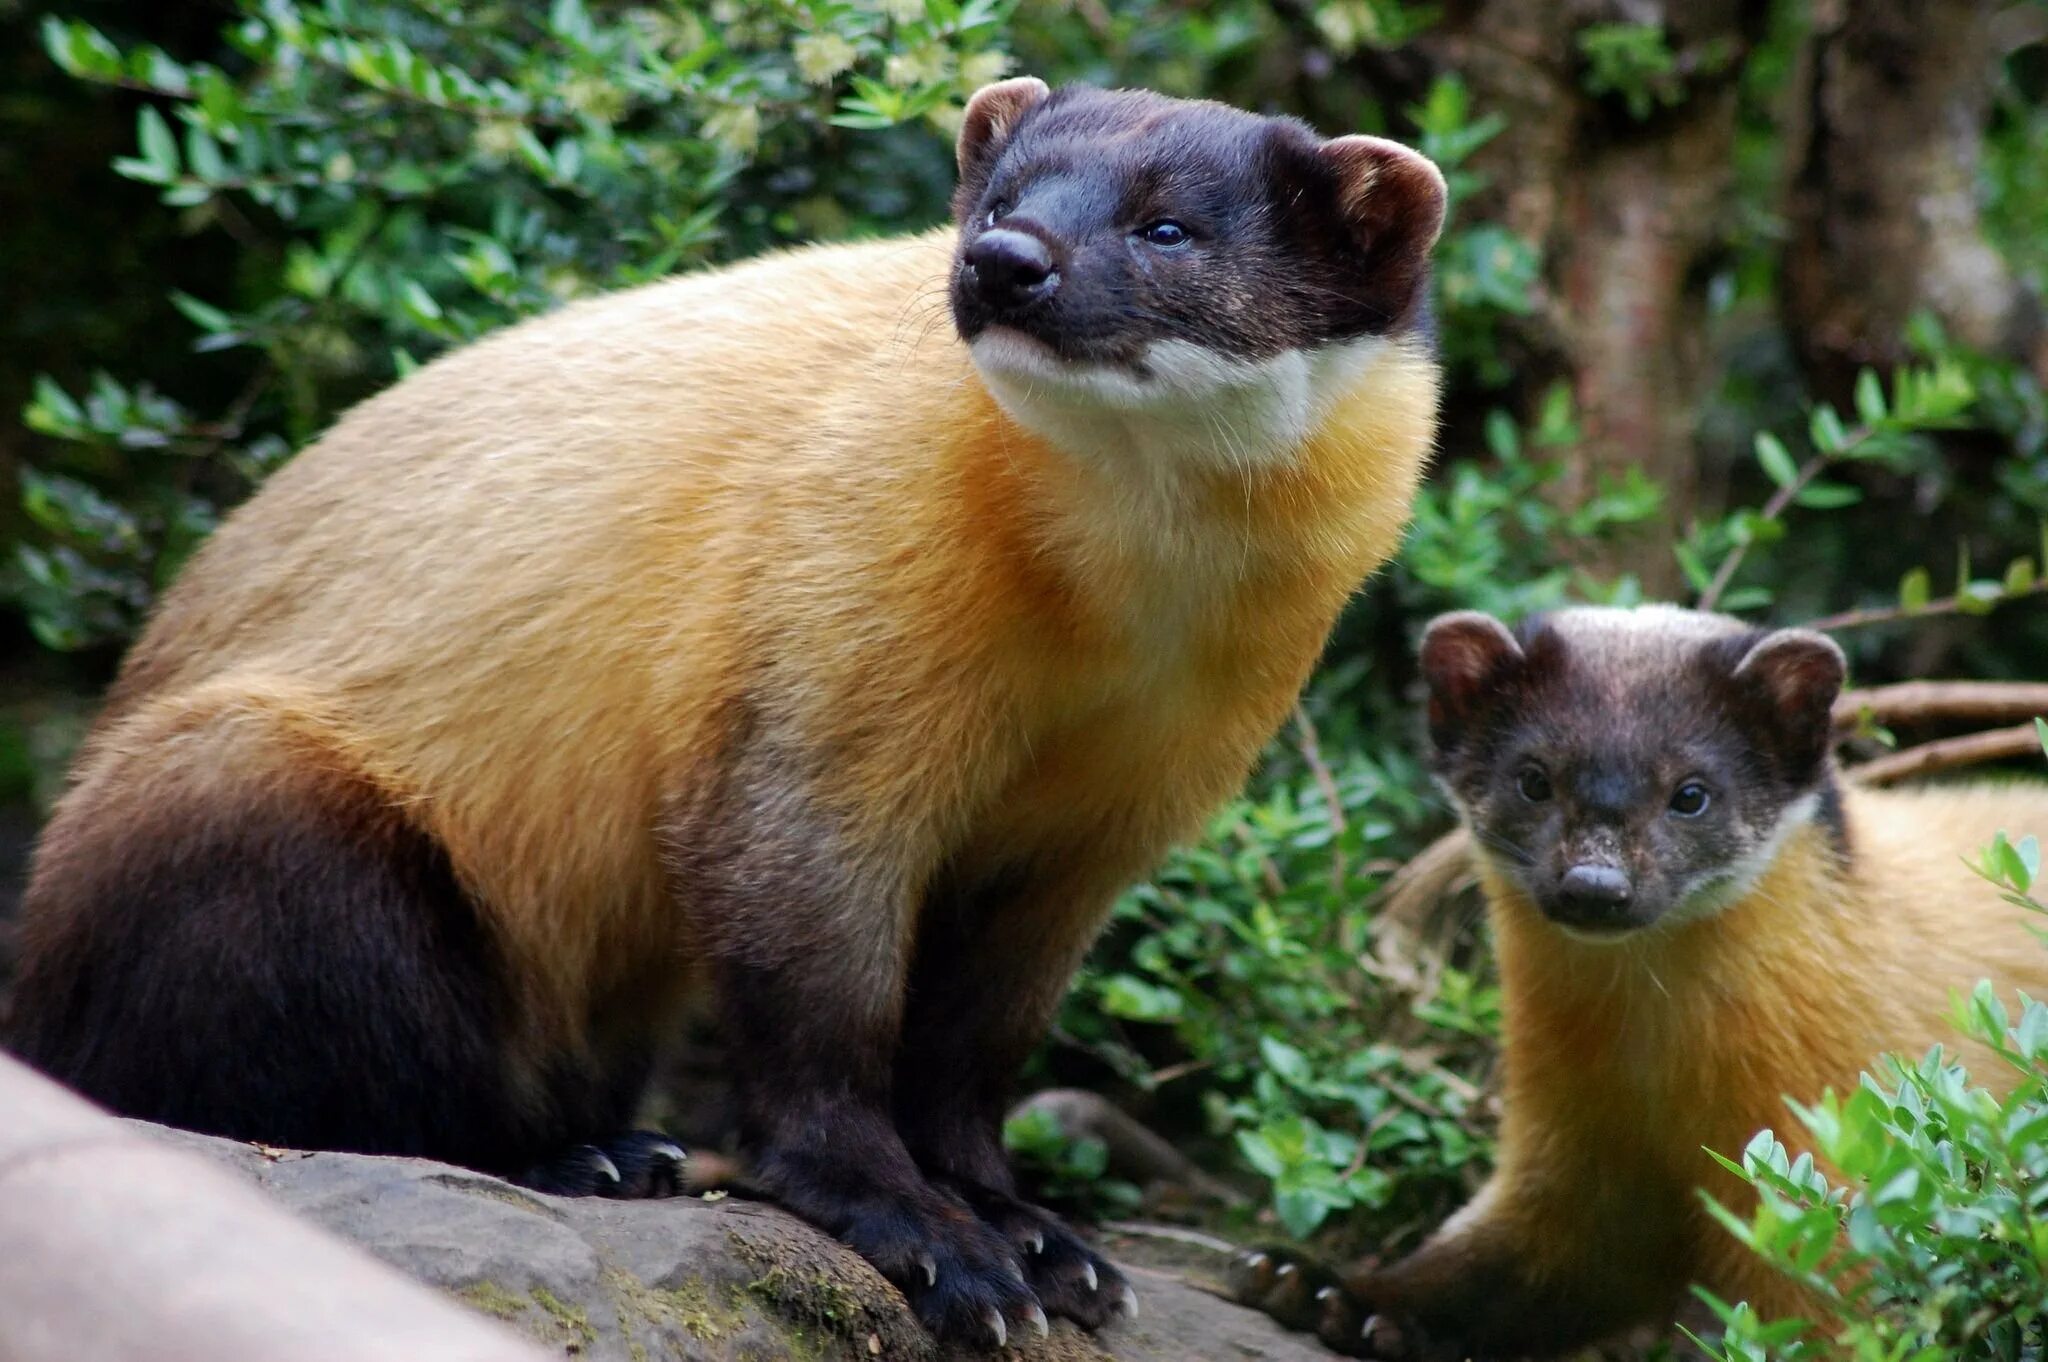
(1741, 300)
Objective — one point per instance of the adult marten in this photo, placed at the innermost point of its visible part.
(1694, 920)
(740, 634)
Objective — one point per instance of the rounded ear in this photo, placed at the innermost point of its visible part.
(1387, 188)
(992, 115)
(1794, 676)
(1391, 201)
(1466, 657)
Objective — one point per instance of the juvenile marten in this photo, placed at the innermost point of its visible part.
(750, 636)
(1694, 920)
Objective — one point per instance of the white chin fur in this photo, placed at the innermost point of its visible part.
(1742, 875)
(1180, 401)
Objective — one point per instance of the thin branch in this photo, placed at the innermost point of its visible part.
(1887, 614)
(1775, 507)
(1310, 743)
(1135, 1151)
(1995, 744)
(1915, 702)
(1269, 871)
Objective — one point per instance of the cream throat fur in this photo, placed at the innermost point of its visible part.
(1178, 405)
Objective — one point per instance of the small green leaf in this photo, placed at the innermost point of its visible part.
(159, 148)
(1777, 462)
(1914, 589)
(205, 316)
(1827, 496)
(203, 154)
(1870, 398)
(1826, 430)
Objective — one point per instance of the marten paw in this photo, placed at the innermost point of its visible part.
(1307, 1296)
(1071, 1279)
(635, 1166)
(958, 1275)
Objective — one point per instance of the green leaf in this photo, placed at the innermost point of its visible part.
(2019, 576)
(1777, 462)
(2012, 867)
(203, 154)
(80, 49)
(205, 316)
(1827, 496)
(53, 412)
(1914, 590)
(1826, 429)
(419, 302)
(159, 148)
(1870, 398)
(2041, 732)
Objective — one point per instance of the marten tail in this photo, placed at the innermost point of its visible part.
(232, 929)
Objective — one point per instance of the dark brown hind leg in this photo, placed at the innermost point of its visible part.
(229, 932)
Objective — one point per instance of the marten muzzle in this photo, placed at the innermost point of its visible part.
(1596, 897)
(1012, 271)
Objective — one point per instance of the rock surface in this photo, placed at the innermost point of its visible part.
(703, 1280)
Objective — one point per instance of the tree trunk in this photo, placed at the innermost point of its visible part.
(1630, 212)
(1884, 211)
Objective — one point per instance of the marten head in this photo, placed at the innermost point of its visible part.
(1122, 249)
(1629, 767)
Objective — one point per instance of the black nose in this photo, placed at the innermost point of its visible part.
(1594, 895)
(1011, 268)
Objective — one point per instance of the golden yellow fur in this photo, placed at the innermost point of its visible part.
(1625, 1060)
(598, 536)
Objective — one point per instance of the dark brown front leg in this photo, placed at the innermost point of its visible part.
(1517, 1274)
(992, 963)
(809, 953)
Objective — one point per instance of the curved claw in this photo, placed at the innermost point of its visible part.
(931, 1269)
(1088, 1275)
(604, 1165)
(1127, 1304)
(993, 1318)
(1039, 1323)
(670, 1151)
(1383, 1337)
(1037, 1241)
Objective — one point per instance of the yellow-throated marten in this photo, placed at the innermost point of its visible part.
(746, 632)
(1694, 920)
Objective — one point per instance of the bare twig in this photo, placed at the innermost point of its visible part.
(1412, 894)
(1135, 1150)
(1775, 507)
(1887, 614)
(1311, 746)
(1971, 748)
(1276, 885)
(1911, 702)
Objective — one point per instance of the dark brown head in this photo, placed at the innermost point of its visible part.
(1629, 767)
(1124, 239)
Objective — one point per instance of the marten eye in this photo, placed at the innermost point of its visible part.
(1534, 785)
(1690, 800)
(997, 210)
(1166, 233)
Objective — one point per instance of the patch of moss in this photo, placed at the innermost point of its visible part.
(690, 1306)
(493, 1300)
(842, 1302)
(540, 1315)
(573, 1319)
